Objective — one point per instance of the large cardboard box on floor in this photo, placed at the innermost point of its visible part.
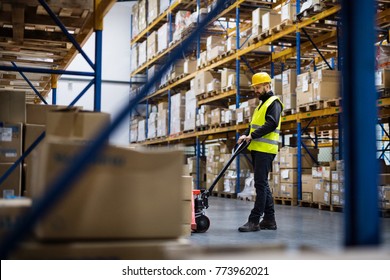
(123, 194)
(12, 107)
(11, 137)
(291, 175)
(289, 190)
(12, 185)
(158, 249)
(11, 211)
(75, 124)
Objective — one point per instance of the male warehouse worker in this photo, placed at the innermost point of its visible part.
(263, 134)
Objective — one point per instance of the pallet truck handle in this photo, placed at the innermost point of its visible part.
(238, 148)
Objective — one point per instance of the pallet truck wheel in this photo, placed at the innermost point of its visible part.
(202, 224)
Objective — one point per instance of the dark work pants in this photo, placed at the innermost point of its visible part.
(264, 204)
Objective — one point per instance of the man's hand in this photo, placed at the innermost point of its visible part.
(244, 138)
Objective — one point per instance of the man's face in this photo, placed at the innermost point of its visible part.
(260, 89)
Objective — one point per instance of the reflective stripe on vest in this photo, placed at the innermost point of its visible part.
(268, 143)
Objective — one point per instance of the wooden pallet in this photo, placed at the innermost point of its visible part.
(311, 106)
(280, 27)
(231, 123)
(285, 201)
(288, 112)
(336, 208)
(323, 206)
(309, 204)
(228, 88)
(247, 197)
(332, 103)
(227, 195)
(383, 92)
(384, 213)
(214, 193)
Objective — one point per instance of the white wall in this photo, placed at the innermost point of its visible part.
(115, 70)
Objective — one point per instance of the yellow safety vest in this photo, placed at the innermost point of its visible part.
(269, 143)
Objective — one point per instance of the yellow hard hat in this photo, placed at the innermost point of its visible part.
(260, 78)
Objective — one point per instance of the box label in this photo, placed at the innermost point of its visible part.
(5, 134)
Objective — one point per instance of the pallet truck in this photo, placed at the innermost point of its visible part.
(201, 197)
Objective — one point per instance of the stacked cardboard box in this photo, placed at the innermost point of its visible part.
(246, 110)
(135, 19)
(141, 135)
(231, 43)
(382, 78)
(181, 19)
(276, 86)
(202, 79)
(304, 90)
(152, 47)
(177, 112)
(289, 83)
(189, 66)
(142, 55)
(153, 10)
(162, 37)
(190, 111)
(12, 117)
(384, 196)
(288, 169)
(288, 12)
(230, 179)
(192, 167)
(177, 69)
(202, 60)
(257, 21)
(214, 166)
(152, 125)
(134, 59)
(164, 4)
(162, 119)
(187, 200)
(142, 15)
(270, 20)
(215, 46)
(326, 84)
(337, 190)
(133, 130)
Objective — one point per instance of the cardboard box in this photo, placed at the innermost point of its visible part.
(337, 199)
(99, 250)
(31, 134)
(12, 107)
(289, 190)
(307, 196)
(337, 187)
(288, 12)
(187, 187)
(11, 137)
(289, 160)
(37, 113)
(324, 75)
(291, 175)
(153, 10)
(318, 191)
(325, 90)
(289, 81)
(276, 86)
(382, 78)
(75, 124)
(308, 183)
(186, 211)
(189, 66)
(219, 187)
(231, 43)
(257, 16)
(119, 181)
(270, 20)
(11, 211)
(214, 41)
(304, 95)
(337, 176)
(12, 186)
(152, 47)
(202, 79)
(289, 101)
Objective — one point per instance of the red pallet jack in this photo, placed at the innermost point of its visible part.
(200, 222)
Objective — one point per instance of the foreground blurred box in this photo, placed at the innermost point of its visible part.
(123, 194)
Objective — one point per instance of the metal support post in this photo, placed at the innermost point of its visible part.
(54, 79)
(198, 36)
(359, 119)
(169, 111)
(272, 63)
(98, 58)
(197, 163)
(299, 158)
(238, 91)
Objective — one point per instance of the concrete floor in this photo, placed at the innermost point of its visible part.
(297, 227)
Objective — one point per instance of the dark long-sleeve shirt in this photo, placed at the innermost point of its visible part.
(272, 117)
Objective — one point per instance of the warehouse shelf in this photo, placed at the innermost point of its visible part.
(282, 56)
(161, 19)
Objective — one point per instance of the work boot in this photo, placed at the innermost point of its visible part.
(249, 226)
(268, 224)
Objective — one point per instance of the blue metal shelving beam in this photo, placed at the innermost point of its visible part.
(29, 83)
(81, 93)
(299, 131)
(53, 89)
(47, 71)
(238, 91)
(359, 116)
(98, 70)
(63, 184)
(247, 64)
(65, 31)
